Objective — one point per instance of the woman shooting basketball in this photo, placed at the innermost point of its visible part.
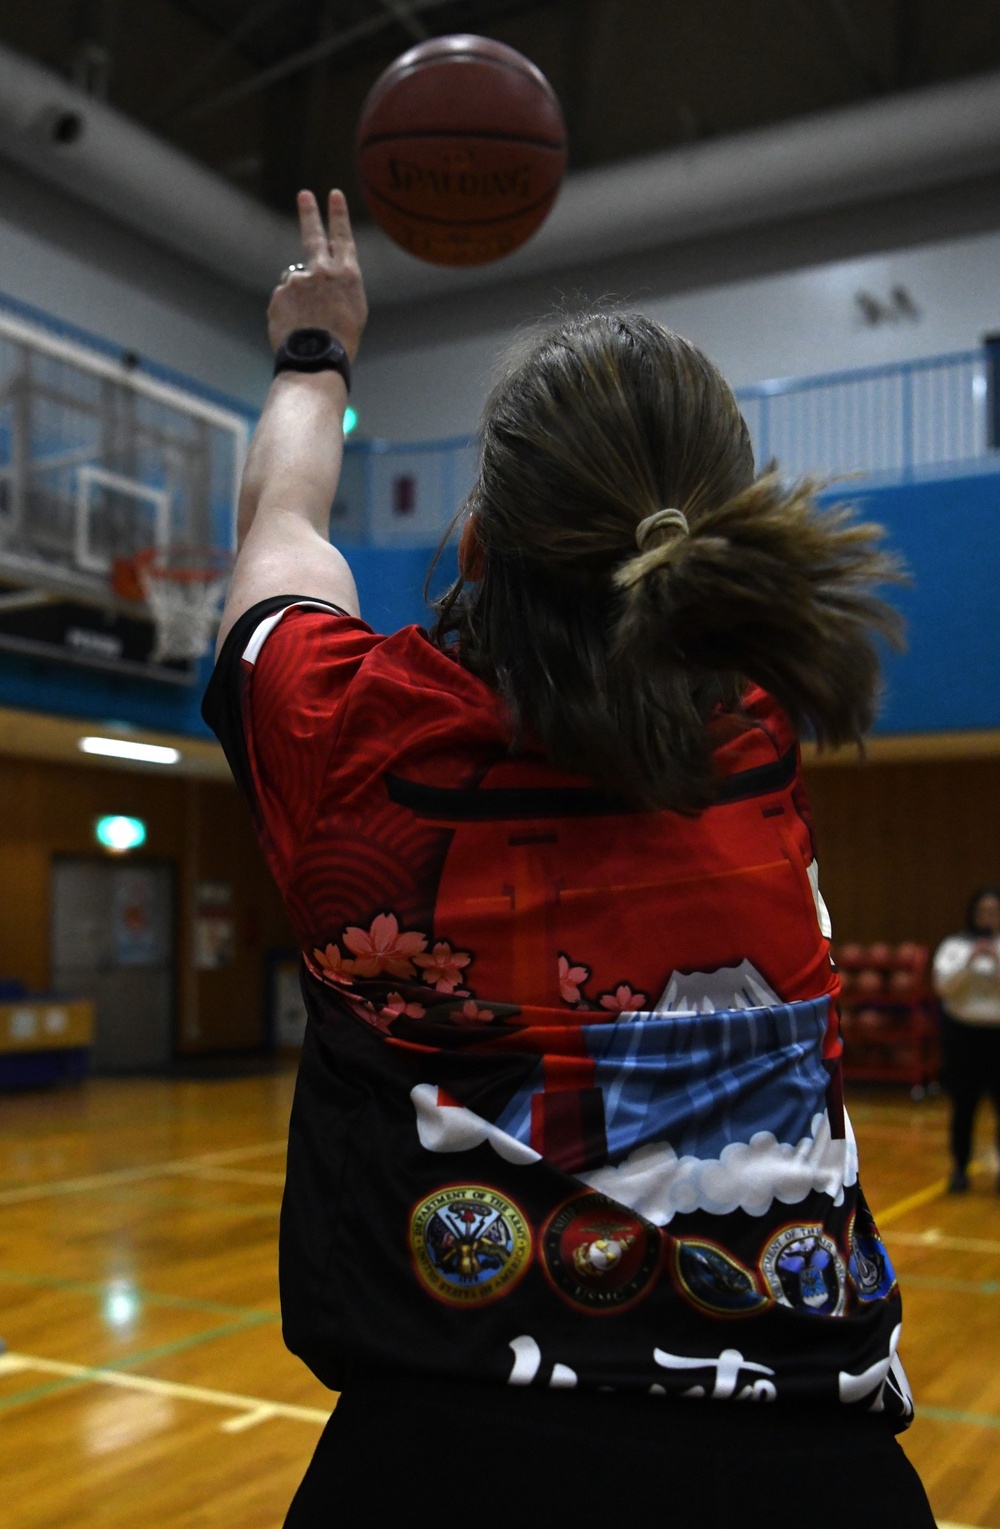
(572, 1200)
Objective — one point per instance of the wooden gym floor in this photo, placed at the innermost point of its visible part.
(145, 1380)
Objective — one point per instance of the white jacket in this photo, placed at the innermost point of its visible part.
(967, 978)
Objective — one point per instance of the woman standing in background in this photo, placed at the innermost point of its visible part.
(967, 980)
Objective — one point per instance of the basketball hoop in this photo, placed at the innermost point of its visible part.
(184, 588)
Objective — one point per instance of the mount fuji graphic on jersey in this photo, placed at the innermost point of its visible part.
(730, 987)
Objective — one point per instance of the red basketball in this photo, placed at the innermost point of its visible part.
(461, 149)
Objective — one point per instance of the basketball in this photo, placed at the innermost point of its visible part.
(461, 149)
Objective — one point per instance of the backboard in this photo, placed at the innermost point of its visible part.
(98, 461)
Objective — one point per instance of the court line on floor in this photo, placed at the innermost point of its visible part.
(955, 1415)
(923, 1196)
(181, 1200)
(236, 1176)
(912, 1202)
(148, 1356)
(942, 1282)
(933, 1237)
(145, 1297)
(248, 1410)
(41, 1191)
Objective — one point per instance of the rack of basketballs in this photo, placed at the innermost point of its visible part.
(888, 1014)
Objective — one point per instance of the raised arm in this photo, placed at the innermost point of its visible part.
(293, 465)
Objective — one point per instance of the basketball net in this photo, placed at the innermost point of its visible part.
(184, 589)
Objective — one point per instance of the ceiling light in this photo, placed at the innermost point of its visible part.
(120, 748)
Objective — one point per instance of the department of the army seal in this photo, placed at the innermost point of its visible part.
(470, 1244)
(599, 1256)
(804, 1270)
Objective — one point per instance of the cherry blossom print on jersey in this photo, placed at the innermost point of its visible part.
(472, 1014)
(383, 949)
(333, 967)
(396, 1004)
(443, 967)
(623, 1000)
(571, 980)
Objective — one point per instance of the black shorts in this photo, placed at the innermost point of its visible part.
(404, 1451)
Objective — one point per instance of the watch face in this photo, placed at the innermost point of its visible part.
(308, 344)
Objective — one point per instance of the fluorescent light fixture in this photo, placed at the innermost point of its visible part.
(122, 748)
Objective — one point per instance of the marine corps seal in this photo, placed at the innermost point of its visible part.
(599, 1256)
(470, 1244)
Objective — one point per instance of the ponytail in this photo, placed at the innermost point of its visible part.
(771, 589)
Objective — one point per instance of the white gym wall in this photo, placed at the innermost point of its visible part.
(794, 323)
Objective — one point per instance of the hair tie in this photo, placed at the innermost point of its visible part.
(670, 517)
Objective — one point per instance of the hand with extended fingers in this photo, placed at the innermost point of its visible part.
(327, 291)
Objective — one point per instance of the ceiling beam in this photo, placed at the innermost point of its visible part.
(402, 13)
(182, 88)
(324, 49)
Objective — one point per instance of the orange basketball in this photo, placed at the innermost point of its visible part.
(461, 149)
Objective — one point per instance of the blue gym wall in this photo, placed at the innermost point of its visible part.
(947, 530)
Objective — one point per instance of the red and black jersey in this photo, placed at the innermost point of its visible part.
(569, 1108)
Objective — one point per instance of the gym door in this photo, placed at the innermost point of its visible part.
(112, 941)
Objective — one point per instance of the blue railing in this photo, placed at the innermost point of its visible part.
(882, 424)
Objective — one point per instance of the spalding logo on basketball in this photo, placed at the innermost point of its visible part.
(461, 150)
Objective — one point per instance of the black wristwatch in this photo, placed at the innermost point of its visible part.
(312, 350)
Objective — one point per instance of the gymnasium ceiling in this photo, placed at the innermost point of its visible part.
(266, 92)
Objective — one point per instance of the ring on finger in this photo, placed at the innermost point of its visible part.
(289, 272)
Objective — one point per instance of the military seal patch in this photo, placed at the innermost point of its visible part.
(470, 1244)
(803, 1270)
(715, 1281)
(868, 1263)
(598, 1256)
